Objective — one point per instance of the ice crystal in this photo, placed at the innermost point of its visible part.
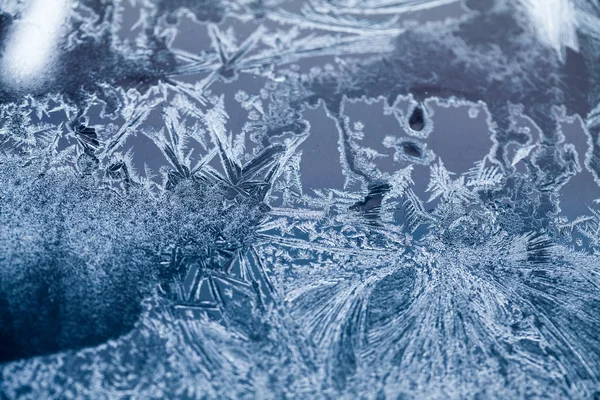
(317, 199)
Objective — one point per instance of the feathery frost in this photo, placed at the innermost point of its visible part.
(318, 199)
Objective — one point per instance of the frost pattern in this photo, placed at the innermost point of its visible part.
(320, 199)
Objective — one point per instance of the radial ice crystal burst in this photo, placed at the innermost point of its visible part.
(377, 199)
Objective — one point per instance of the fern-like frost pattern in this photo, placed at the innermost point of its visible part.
(300, 199)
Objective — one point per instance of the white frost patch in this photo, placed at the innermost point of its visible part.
(554, 23)
(32, 41)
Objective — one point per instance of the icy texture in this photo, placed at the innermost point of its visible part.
(377, 199)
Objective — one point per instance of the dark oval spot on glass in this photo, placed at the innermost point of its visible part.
(412, 149)
(417, 119)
